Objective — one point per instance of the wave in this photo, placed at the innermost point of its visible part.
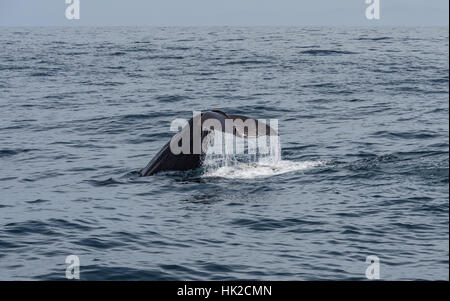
(373, 39)
(12, 152)
(326, 52)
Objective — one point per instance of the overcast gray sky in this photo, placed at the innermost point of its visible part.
(223, 12)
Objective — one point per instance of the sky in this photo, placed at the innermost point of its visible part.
(223, 12)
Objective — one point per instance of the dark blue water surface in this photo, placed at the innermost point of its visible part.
(363, 121)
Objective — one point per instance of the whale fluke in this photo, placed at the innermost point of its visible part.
(192, 158)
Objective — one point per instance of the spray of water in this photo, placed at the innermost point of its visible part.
(262, 158)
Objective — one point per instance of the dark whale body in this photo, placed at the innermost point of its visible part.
(165, 160)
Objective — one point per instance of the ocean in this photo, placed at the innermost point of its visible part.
(364, 130)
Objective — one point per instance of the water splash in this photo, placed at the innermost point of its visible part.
(261, 159)
(259, 169)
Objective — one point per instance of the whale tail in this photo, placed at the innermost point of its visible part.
(242, 126)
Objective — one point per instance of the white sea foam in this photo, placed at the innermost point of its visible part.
(259, 169)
